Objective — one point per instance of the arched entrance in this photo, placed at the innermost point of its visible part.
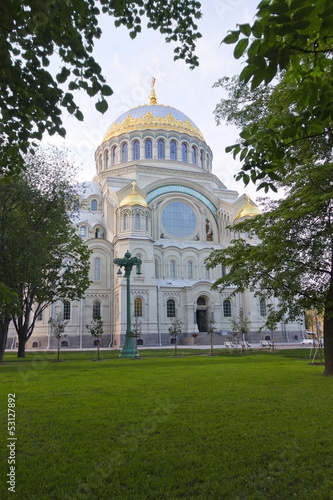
(202, 314)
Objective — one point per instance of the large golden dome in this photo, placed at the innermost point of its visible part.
(153, 116)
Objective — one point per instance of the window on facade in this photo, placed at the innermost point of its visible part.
(93, 205)
(100, 163)
(223, 270)
(148, 149)
(172, 269)
(67, 311)
(171, 308)
(207, 162)
(194, 155)
(136, 150)
(161, 149)
(207, 273)
(262, 306)
(40, 316)
(190, 270)
(83, 231)
(106, 158)
(157, 270)
(184, 152)
(137, 222)
(124, 152)
(138, 307)
(227, 308)
(98, 233)
(114, 155)
(97, 269)
(173, 150)
(96, 309)
(147, 223)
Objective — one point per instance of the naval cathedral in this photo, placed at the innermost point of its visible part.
(154, 195)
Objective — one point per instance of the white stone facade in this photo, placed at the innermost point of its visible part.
(159, 200)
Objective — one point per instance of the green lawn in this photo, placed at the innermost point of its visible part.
(230, 426)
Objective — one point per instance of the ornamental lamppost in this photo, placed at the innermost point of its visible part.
(129, 349)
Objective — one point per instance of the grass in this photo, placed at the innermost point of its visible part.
(230, 426)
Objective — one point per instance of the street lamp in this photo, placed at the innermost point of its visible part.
(129, 349)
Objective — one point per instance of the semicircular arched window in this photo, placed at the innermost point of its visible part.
(93, 206)
(124, 152)
(96, 309)
(171, 308)
(227, 308)
(173, 150)
(114, 155)
(161, 149)
(148, 149)
(138, 307)
(194, 155)
(184, 152)
(136, 150)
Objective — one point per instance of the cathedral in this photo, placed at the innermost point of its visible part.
(154, 195)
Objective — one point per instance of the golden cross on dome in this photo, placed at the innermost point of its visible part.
(152, 97)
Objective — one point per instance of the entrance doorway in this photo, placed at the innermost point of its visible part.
(202, 314)
(202, 320)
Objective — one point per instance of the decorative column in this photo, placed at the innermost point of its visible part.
(129, 349)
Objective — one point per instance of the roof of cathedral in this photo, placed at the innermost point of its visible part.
(133, 198)
(249, 210)
(153, 116)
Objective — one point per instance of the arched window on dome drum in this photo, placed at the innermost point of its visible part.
(161, 149)
(93, 205)
(124, 152)
(147, 223)
(171, 308)
(96, 309)
(184, 152)
(202, 159)
(106, 158)
(114, 155)
(194, 155)
(138, 307)
(136, 150)
(97, 269)
(148, 149)
(100, 163)
(137, 222)
(172, 269)
(227, 308)
(207, 161)
(190, 270)
(173, 150)
(125, 222)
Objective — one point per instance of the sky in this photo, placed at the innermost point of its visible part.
(129, 66)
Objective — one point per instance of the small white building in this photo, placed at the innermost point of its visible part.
(155, 195)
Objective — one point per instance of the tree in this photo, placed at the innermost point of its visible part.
(34, 33)
(42, 259)
(58, 330)
(175, 329)
(210, 331)
(292, 39)
(136, 330)
(241, 325)
(95, 329)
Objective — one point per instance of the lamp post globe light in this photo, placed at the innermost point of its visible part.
(129, 349)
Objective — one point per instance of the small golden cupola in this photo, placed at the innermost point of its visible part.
(249, 210)
(133, 198)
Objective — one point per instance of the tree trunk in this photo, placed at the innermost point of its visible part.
(21, 347)
(328, 332)
(4, 325)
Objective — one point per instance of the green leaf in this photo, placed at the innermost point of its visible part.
(240, 48)
(231, 38)
(101, 106)
(245, 29)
